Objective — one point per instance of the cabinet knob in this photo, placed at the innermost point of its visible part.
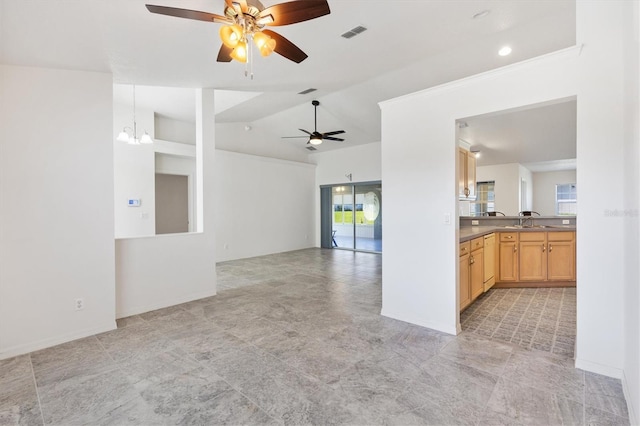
(543, 248)
(550, 248)
(509, 237)
(515, 249)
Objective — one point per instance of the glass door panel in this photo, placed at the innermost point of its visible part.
(368, 217)
(343, 217)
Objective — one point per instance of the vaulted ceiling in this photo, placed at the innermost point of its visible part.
(409, 45)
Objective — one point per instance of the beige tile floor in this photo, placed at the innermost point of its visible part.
(296, 338)
(533, 318)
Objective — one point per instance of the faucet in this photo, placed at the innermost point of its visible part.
(524, 219)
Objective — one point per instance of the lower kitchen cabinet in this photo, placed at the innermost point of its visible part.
(508, 257)
(536, 257)
(561, 256)
(471, 271)
(532, 260)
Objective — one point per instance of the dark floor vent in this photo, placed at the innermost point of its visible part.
(309, 90)
(354, 31)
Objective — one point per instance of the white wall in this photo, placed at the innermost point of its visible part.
(419, 154)
(600, 180)
(263, 205)
(133, 175)
(544, 189)
(159, 271)
(507, 185)
(526, 179)
(363, 162)
(631, 362)
(170, 129)
(56, 207)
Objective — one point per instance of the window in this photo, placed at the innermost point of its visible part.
(485, 199)
(566, 199)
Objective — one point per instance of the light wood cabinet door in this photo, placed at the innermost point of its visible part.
(532, 261)
(508, 261)
(471, 175)
(465, 290)
(462, 173)
(476, 263)
(466, 175)
(561, 264)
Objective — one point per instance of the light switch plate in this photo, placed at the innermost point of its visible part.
(475, 222)
(565, 221)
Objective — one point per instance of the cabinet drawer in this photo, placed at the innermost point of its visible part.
(508, 236)
(560, 236)
(465, 248)
(532, 236)
(477, 243)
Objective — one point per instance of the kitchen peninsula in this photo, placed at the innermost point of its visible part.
(515, 252)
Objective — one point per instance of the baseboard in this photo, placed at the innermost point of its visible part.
(449, 329)
(633, 416)
(594, 367)
(534, 284)
(54, 341)
(135, 310)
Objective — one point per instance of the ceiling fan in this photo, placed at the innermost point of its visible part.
(315, 137)
(246, 20)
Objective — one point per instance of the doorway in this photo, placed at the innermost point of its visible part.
(172, 203)
(352, 216)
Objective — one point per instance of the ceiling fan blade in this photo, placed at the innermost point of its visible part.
(330, 138)
(224, 54)
(295, 11)
(285, 48)
(335, 132)
(243, 5)
(307, 132)
(188, 14)
(294, 137)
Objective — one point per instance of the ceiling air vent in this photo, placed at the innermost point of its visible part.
(354, 31)
(309, 90)
(311, 148)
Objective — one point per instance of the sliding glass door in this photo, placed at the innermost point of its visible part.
(356, 217)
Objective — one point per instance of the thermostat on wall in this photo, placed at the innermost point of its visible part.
(133, 202)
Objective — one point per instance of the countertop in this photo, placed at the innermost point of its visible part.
(470, 232)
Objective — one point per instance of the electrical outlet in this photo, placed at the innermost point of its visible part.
(79, 304)
(475, 222)
(565, 221)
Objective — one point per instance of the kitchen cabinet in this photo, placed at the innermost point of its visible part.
(471, 274)
(561, 256)
(508, 257)
(465, 291)
(489, 261)
(536, 257)
(476, 266)
(467, 175)
(547, 256)
(532, 260)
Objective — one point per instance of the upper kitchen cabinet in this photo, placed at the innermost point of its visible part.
(467, 175)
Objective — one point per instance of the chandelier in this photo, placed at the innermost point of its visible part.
(132, 139)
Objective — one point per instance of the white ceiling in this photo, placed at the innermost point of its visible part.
(409, 45)
(543, 137)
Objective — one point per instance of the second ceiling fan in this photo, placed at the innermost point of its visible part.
(246, 20)
(315, 137)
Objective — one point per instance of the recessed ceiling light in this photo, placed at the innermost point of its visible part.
(481, 14)
(504, 51)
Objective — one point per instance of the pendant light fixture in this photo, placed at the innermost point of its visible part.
(132, 139)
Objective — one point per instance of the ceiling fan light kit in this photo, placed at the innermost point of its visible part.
(315, 137)
(245, 23)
